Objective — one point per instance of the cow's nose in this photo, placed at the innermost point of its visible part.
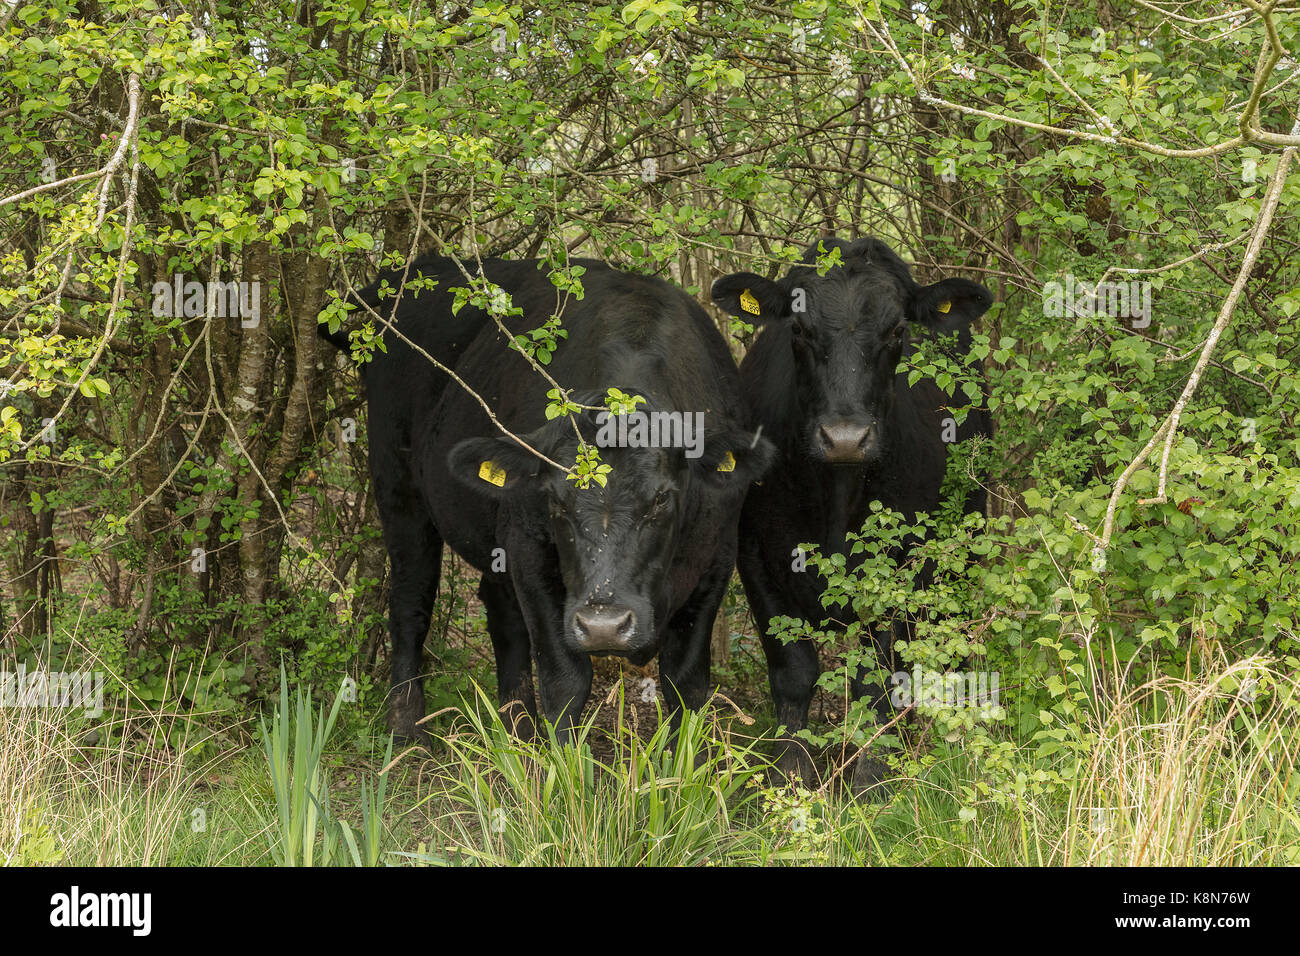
(604, 627)
(845, 441)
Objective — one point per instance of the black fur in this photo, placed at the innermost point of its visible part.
(658, 541)
(833, 365)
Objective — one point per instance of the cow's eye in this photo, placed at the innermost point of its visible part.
(660, 503)
(899, 331)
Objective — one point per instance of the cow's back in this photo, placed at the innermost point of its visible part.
(400, 378)
(635, 332)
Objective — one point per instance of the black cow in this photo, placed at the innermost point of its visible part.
(634, 568)
(822, 381)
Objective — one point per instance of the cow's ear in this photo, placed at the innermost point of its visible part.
(950, 305)
(735, 457)
(751, 297)
(497, 467)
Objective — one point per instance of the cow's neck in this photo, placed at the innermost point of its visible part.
(835, 500)
(843, 494)
(841, 490)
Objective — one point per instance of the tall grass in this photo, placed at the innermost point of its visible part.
(1189, 770)
(666, 800)
(115, 793)
(306, 831)
(1192, 771)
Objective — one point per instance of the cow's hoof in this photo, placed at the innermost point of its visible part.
(796, 764)
(417, 738)
(404, 721)
(517, 719)
(871, 779)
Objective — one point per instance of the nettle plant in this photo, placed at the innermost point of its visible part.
(1025, 595)
(873, 583)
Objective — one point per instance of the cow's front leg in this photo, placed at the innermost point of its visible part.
(869, 771)
(792, 672)
(564, 684)
(416, 552)
(509, 634)
(563, 672)
(684, 659)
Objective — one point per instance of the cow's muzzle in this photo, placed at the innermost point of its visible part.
(604, 628)
(845, 442)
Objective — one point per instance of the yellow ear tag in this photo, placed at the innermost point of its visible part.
(749, 304)
(728, 463)
(492, 474)
(944, 306)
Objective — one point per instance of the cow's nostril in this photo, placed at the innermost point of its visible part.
(845, 441)
(604, 627)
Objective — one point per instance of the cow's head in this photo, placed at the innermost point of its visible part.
(616, 543)
(847, 331)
